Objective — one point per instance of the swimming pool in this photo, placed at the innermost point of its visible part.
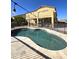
(41, 38)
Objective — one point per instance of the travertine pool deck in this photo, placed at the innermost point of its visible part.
(21, 51)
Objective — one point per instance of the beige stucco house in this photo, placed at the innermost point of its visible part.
(43, 16)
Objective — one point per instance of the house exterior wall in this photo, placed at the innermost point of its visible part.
(43, 12)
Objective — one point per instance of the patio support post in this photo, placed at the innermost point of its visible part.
(52, 23)
(28, 21)
(37, 18)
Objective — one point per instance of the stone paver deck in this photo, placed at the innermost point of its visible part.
(20, 51)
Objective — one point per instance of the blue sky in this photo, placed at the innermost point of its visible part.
(61, 6)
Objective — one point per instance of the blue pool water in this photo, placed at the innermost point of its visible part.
(41, 38)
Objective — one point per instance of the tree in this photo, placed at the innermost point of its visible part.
(19, 21)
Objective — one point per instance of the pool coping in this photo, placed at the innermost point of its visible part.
(60, 54)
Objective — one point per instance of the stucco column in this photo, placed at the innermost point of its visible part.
(28, 20)
(53, 19)
(37, 18)
(52, 22)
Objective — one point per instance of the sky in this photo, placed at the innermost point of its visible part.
(61, 6)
